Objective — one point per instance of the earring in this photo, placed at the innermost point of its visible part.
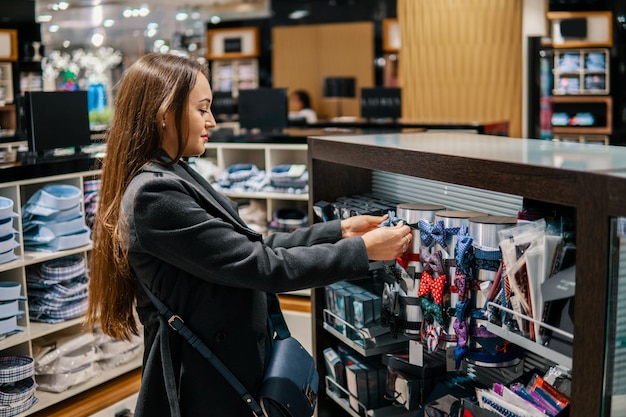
(163, 125)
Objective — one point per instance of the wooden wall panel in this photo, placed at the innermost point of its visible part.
(461, 60)
(303, 55)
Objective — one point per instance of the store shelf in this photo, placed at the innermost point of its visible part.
(31, 257)
(341, 396)
(274, 196)
(365, 347)
(521, 341)
(47, 399)
(38, 329)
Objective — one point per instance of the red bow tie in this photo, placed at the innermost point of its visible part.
(431, 285)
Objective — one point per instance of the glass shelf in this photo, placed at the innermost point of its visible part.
(364, 346)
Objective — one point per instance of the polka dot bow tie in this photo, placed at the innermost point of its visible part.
(434, 286)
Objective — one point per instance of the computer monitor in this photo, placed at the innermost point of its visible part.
(381, 103)
(263, 109)
(224, 105)
(56, 119)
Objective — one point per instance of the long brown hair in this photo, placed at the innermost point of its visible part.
(155, 85)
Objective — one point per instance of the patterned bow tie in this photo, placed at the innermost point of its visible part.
(431, 262)
(431, 335)
(430, 233)
(433, 286)
(431, 310)
(460, 328)
(464, 255)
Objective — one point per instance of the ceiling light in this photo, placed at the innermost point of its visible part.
(66, 43)
(108, 23)
(181, 16)
(127, 13)
(152, 25)
(97, 39)
(298, 14)
(63, 5)
(53, 28)
(44, 18)
(144, 11)
(215, 19)
(195, 15)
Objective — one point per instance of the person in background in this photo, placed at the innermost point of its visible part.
(300, 107)
(161, 223)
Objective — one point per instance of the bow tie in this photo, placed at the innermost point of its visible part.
(431, 310)
(431, 335)
(433, 286)
(464, 254)
(430, 233)
(431, 262)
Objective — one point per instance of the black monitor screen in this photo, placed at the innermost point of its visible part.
(56, 119)
(223, 103)
(381, 102)
(265, 109)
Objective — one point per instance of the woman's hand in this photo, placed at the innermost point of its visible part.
(358, 225)
(385, 243)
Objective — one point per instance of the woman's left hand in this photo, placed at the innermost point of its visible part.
(358, 225)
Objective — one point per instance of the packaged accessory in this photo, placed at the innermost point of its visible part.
(290, 383)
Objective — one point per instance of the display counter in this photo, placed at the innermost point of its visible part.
(589, 179)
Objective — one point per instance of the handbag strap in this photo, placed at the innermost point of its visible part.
(179, 326)
(276, 317)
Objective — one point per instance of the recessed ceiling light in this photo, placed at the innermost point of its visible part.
(298, 14)
(53, 28)
(181, 16)
(44, 18)
(108, 23)
(97, 39)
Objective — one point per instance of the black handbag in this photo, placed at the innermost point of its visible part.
(290, 383)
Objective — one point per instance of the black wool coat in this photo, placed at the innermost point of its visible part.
(187, 243)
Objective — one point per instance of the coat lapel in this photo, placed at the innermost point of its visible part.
(226, 207)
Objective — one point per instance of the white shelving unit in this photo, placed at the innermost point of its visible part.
(235, 74)
(15, 271)
(265, 156)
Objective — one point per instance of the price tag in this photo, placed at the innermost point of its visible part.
(416, 353)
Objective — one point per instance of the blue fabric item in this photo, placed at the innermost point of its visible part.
(37, 232)
(8, 242)
(8, 256)
(282, 176)
(75, 240)
(37, 213)
(6, 208)
(56, 196)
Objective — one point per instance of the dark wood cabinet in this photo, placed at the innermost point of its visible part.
(590, 179)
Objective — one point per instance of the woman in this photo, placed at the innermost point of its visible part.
(158, 221)
(300, 107)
